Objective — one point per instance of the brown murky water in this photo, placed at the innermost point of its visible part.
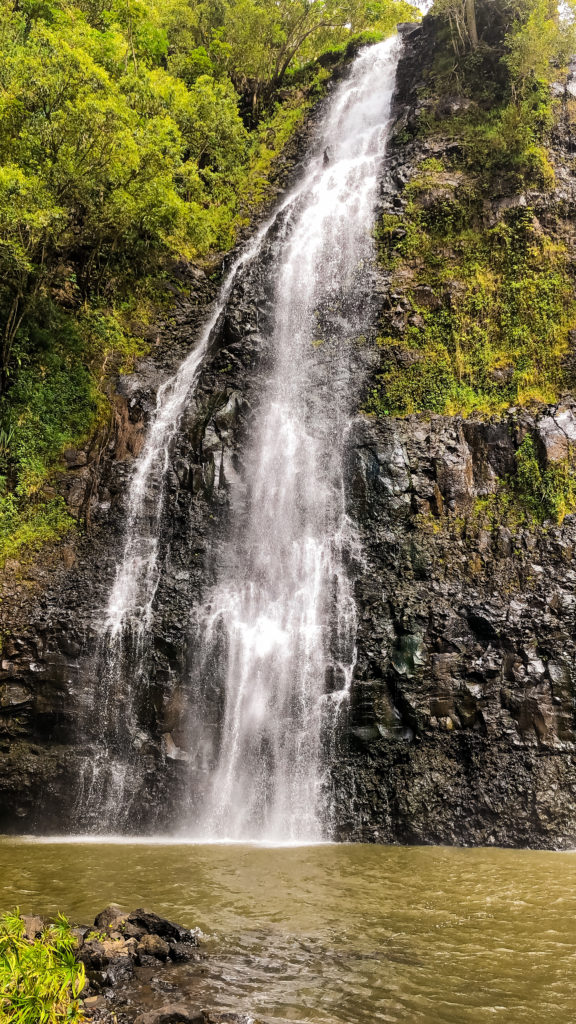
(329, 934)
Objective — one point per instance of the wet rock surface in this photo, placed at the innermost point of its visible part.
(462, 718)
(461, 725)
(130, 960)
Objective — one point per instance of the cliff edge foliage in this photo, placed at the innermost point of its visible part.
(490, 286)
(133, 134)
(479, 253)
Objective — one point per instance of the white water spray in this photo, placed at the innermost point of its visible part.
(280, 624)
(284, 611)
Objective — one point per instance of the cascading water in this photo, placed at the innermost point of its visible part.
(108, 786)
(284, 615)
(276, 632)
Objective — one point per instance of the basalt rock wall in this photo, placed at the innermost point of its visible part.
(462, 715)
(462, 719)
(461, 724)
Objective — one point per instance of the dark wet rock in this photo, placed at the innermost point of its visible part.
(131, 972)
(151, 924)
(182, 951)
(123, 940)
(408, 28)
(461, 725)
(120, 968)
(466, 648)
(173, 1013)
(153, 946)
(112, 915)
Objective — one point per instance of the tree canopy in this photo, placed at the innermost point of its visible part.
(132, 133)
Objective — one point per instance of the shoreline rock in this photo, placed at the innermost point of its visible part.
(118, 952)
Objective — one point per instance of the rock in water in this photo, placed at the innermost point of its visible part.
(174, 1013)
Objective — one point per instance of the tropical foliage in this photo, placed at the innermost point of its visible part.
(41, 980)
(133, 133)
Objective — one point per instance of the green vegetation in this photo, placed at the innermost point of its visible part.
(133, 133)
(26, 526)
(40, 981)
(490, 293)
(491, 311)
(533, 495)
(548, 493)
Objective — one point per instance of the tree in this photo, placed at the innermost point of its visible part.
(470, 18)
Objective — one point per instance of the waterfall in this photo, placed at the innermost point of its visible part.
(111, 778)
(283, 614)
(276, 633)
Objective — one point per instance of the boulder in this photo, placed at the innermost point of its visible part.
(557, 434)
(173, 1013)
(145, 921)
(153, 945)
(111, 915)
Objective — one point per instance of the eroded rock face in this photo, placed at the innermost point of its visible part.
(462, 723)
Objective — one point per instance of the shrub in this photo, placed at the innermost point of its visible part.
(25, 525)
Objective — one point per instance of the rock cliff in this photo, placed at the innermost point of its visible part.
(461, 727)
(462, 718)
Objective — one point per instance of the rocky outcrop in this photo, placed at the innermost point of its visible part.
(134, 964)
(462, 722)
